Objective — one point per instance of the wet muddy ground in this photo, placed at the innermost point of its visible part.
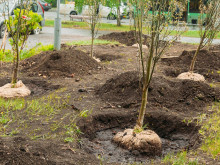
(98, 99)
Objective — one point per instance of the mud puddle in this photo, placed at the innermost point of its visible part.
(110, 152)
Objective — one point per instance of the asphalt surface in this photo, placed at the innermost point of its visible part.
(46, 36)
(52, 15)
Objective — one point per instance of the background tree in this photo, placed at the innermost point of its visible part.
(19, 26)
(93, 11)
(116, 4)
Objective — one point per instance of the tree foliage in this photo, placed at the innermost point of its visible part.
(155, 16)
(19, 26)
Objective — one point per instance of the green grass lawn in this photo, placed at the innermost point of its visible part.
(7, 55)
(84, 25)
(111, 27)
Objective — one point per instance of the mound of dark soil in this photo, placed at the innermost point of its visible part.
(127, 38)
(63, 63)
(207, 64)
(177, 95)
(125, 87)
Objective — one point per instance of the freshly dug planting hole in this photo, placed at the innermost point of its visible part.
(207, 64)
(190, 96)
(101, 128)
(36, 86)
(62, 63)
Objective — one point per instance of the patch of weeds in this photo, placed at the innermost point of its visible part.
(72, 133)
(130, 60)
(72, 130)
(101, 159)
(179, 158)
(8, 108)
(214, 85)
(4, 118)
(96, 42)
(210, 131)
(47, 106)
(69, 139)
(35, 136)
(14, 132)
(211, 85)
(139, 130)
(85, 113)
(11, 104)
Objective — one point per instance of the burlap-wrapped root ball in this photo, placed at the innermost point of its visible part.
(146, 141)
(18, 90)
(191, 76)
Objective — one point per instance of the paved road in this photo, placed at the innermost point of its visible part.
(52, 15)
(46, 36)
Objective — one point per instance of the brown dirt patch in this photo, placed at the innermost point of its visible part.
(207, 64)
(172, 102)
(63, 63)
(18, 150)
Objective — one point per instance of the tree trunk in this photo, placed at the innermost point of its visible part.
(142, 111)
(15, 68)
(92, 45)
(195, 56)
(146, 83)
(118, 15)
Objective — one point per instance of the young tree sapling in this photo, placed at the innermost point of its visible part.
(209, 25)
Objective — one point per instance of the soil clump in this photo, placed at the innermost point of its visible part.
(63, 63)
